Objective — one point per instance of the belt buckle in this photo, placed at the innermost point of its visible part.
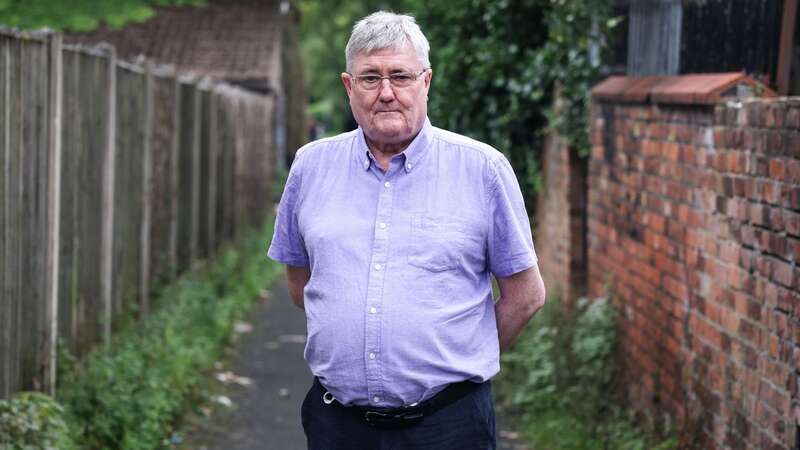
(400, 420)
(375, 417)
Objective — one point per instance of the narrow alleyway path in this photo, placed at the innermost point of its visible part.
(266, 414)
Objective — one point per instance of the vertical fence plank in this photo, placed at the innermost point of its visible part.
(130, 138)
(5, 236)
(186, 175)
(174, 180)
(107, 236)
(54, 209)
(213, 152)
(15, 213)
(194, 221)
(146, 167)
(162, 168)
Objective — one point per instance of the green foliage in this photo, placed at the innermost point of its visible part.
(484, 82)
(33, 421)
(80, 15)
(126, 394)
(564, 61)
(560, 381)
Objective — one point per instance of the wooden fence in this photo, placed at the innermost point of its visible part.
(114, 178)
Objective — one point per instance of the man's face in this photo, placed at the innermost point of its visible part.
(388, 114)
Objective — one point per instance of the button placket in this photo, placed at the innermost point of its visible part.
(380, 245)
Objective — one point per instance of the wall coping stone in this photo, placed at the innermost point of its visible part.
(690, 89)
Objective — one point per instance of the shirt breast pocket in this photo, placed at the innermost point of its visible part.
(437, 242)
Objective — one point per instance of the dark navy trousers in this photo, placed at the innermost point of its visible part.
(466, 424)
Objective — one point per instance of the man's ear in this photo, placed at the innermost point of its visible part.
(428, 76)
(348, 83)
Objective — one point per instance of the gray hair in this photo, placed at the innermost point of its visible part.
(382, 30)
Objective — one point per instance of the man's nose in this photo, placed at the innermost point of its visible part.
(386, 91)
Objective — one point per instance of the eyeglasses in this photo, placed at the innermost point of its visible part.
(399, 80)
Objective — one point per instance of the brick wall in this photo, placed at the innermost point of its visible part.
(560, 232)
(694, 229)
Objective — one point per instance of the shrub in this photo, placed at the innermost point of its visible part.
(559, 381)
(32, 421)
(124, 396)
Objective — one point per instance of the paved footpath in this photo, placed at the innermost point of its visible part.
(265, 411)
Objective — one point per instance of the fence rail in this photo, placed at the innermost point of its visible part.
(114, 178)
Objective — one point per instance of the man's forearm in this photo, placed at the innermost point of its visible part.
(297, 277)
(521, 296)
(512, 317)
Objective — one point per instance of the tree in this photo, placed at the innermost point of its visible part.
(80, 15)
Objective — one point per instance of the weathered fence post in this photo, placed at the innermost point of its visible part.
(194, 221)
(5, 282)
(107, 230)
(213, 151)
(174, 182)
(54, 210)
(147, 149)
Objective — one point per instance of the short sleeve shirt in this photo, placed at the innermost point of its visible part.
(399, 303)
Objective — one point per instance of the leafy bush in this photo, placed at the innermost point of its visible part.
(84, 15)
(125, 395)
(559, 381)
(33, 421)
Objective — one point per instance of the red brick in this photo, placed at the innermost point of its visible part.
(758, 214)
(792, 248)
(783, 273)
(792, 170)
(790, 197)
(746, 307)
(771, 294)
(792, 120)
(791, 221)
(777, 169)
(794, 144)
(775, 218)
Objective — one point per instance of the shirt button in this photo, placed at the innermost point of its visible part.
(372, 356)
(387, 184)
(382, 225)
(409, 166)
(376, 399)
(373, 310)
(378, 266)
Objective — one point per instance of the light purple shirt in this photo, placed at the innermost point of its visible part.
(399, 303)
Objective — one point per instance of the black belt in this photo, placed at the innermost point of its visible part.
(403, 417)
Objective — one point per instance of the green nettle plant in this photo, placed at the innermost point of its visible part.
(559, 381)
(33, 421)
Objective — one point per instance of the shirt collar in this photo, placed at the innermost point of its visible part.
(413, 154)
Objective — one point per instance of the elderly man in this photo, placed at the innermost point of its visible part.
(391, 234)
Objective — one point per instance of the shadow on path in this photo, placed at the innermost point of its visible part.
(265, 415)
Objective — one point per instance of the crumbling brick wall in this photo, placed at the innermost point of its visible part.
(694, 230)
(694, 226)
